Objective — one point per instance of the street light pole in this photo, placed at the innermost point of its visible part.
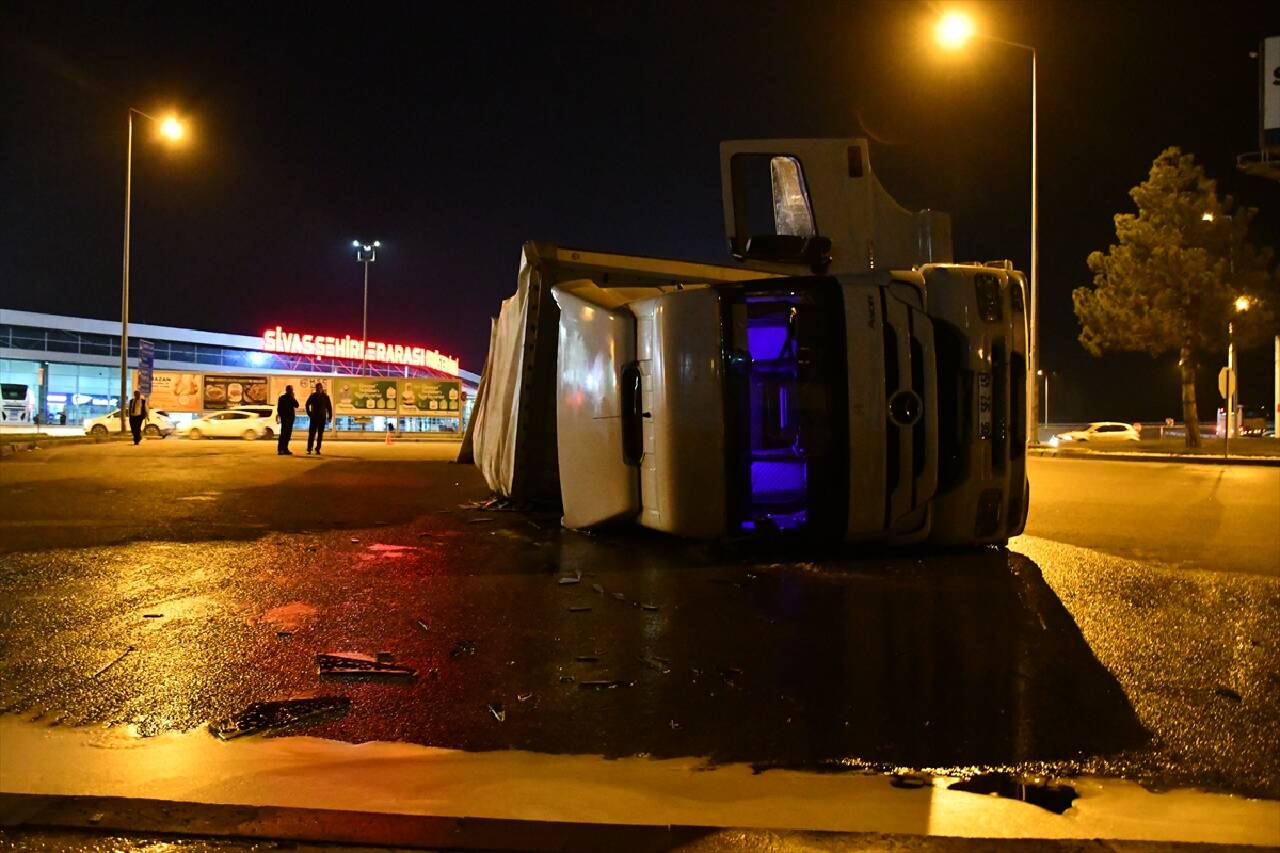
(172, 129)
(124, 294)
(366, 253)
(953, 30)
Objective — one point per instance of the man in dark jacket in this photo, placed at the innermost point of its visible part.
(320, 411)
(286, 408)
(137, 415)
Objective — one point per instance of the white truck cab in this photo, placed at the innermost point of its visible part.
(854, 385)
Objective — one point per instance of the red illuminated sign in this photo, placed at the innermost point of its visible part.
(327, 346)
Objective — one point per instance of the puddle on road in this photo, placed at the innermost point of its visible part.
(1054, 798)
(288, 617)
(383, 551)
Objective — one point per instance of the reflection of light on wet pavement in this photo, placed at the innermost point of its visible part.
(400, 778)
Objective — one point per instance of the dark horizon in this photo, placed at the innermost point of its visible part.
(454, 136)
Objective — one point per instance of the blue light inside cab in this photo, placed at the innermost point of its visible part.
(765, 342)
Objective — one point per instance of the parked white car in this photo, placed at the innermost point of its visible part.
(249, 422)
(157, 425)
(1100, 431)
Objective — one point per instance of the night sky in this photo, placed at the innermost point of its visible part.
(455, 132)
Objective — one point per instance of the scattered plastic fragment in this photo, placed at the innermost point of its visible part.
(909, 781)
(579, 608)
(273, 716)
(564, 580)
(355, 540)
(652, 608)
(481, 520)
(499, 712)
(117, 660)
(675, 726)
(1054, 798)
(421, 624)
(523, 697)
(607, 684)
(597, 588)
(619, 596)
(462, 649)
(655, 663)
(349, 665)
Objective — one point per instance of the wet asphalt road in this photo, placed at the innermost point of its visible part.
(165, 586)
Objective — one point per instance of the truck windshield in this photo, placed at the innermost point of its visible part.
(10, 391)
(787, 384)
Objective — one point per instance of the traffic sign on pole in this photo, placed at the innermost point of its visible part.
(1226, 383)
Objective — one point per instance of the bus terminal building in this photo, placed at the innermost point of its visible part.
(71, 367)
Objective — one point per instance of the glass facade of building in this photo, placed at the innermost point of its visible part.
(71, 374)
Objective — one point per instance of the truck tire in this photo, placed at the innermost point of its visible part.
(99, 430)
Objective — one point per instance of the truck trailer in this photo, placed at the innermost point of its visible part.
(848, 384)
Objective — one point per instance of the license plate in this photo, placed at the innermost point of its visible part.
(984, 405)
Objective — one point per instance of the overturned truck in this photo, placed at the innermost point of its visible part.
(844, 378)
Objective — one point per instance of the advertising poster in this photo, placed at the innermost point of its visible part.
(430, 398)
(228, 390)
(355, 395)
(172, 392)
(302, 388)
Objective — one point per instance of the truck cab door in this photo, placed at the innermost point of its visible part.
(597, 412)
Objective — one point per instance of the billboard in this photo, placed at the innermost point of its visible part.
(355, 395)
(172, 392)
(431, 398)
(228, 390)
(146, 366)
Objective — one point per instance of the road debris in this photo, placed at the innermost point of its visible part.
(652, 608)
(564, 580)
(274, 716)
(657, 664)
(605, 684)
(462, 649)
(567, 679)
(597, 589)
(579, 608)
(352, 665)
(1054, 798)
(523, 697)
(499, 712)
(117, 660)
(422, 625)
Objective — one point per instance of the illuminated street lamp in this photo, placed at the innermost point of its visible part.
(171, 129)
(1241, 305)
(953, 31)
(1046, 374)
(366, 253)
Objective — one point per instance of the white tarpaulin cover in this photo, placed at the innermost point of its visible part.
(514, 428)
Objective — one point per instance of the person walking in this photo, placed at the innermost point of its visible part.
(320, 411)
(286, 409)
(137, 414)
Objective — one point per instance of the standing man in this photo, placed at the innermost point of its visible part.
(137, 414)
(286, 408)
(320, 411)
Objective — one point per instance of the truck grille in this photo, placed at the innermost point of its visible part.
(910, 407)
